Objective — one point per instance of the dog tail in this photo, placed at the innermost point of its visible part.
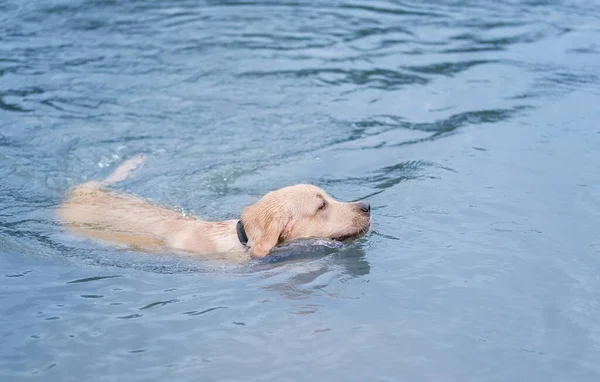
(124, 170)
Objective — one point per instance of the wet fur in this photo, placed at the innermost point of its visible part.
(290, 213)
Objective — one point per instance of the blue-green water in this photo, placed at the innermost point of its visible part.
(472, 127)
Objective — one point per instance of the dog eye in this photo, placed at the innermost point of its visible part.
(322, 207)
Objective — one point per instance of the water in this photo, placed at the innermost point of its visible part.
(472, 128)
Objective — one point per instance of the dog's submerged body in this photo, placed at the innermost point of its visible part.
(290, 213)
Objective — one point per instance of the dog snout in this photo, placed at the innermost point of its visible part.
(364, 207)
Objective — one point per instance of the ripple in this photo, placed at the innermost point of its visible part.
(90, 279)
(198, 313)
(386, 177)
(448, 68)
(467, 118)
(371, 78)
(131, 316)
(159, 304)
(21, 274)
(19, 96)
(435, 130)
(398, 10)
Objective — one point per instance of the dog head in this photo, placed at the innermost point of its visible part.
(300, 212)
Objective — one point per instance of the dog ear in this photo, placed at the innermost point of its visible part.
(264, 222)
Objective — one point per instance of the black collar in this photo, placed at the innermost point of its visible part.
(241, 232)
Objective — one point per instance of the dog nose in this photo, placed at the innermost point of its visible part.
(364, 207)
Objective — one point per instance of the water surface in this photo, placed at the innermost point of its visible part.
(472, 127)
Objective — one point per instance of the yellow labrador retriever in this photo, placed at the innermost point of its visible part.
(290, 213)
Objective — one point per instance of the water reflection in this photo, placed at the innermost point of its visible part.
(299, 274)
